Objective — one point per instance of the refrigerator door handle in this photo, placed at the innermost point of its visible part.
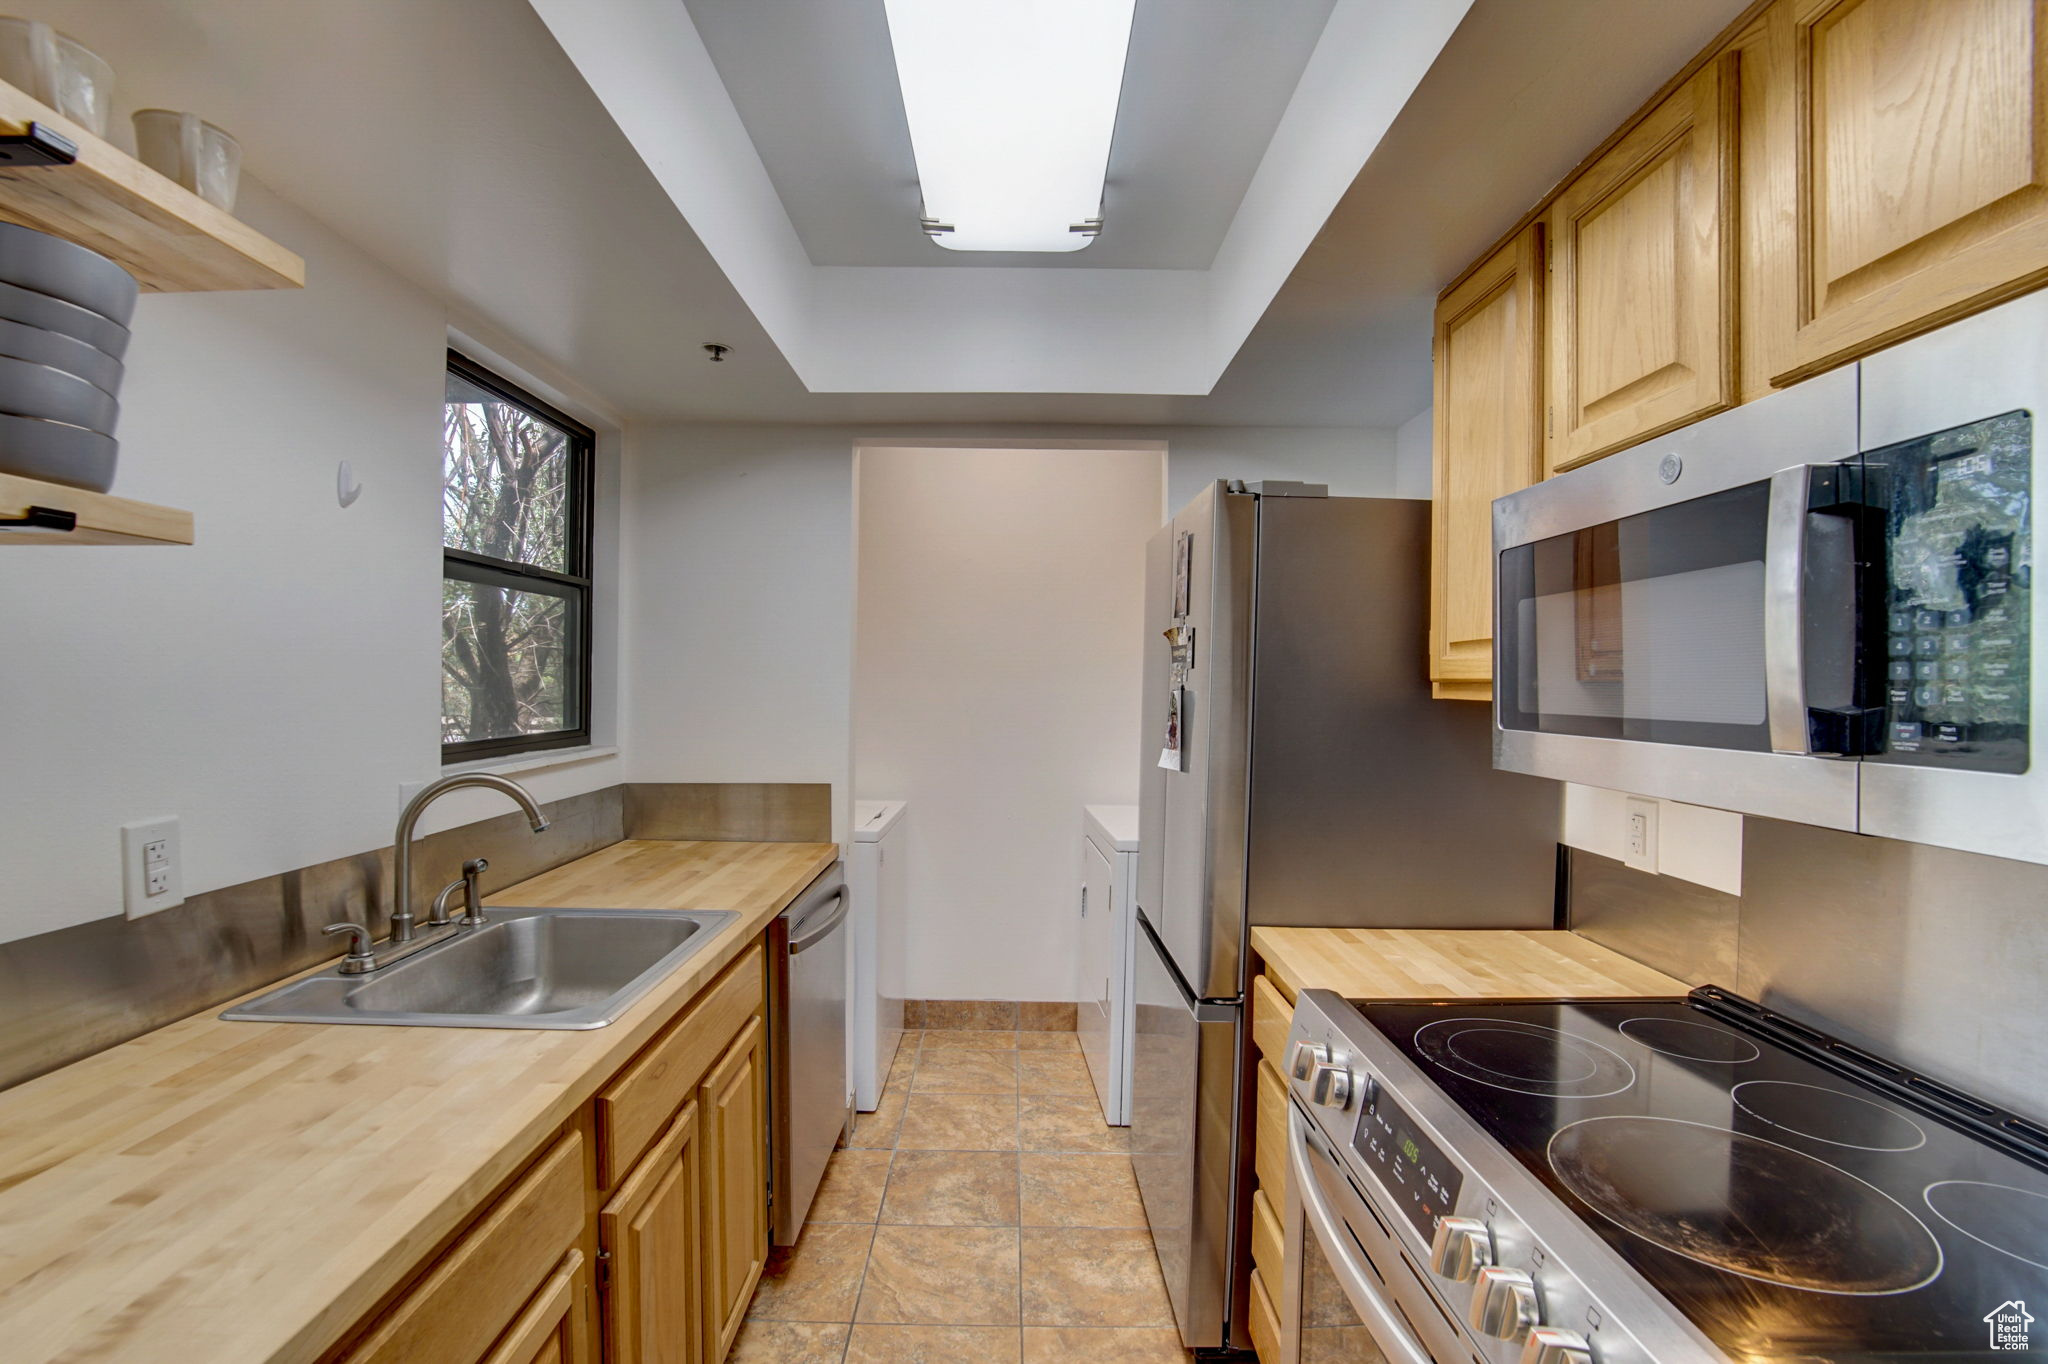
(1203, 1010)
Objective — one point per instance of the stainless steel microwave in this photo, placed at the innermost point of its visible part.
(1815, 607)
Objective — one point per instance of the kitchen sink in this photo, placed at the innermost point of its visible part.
(525, 968)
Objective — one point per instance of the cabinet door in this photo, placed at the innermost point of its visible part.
(1916, 133)
(653, 1233)
(554, 1328)
(1640, 306)
(1486, 444)
(734, 1101)
(1098, 964)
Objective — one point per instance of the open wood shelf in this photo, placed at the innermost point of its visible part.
(169, 238)
(102, 519)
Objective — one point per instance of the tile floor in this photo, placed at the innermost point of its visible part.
(983, 1212)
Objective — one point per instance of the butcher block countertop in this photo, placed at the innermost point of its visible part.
(1453, 963)
(240, 1193)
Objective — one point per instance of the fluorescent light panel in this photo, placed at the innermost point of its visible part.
(1011, 106)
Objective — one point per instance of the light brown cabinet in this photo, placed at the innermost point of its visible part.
(652, 1232)
(1909, 150)
(555, 1327)
(734, 1098)
(1486, 443)
(1640, 333)
(1829, 177)
(672, 1155)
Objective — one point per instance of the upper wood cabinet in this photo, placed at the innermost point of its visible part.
(1909, 147)
(1486, 443)
(1640, 303)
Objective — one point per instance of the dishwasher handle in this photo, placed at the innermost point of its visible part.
(816, 922)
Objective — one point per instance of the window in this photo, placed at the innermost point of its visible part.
(515, 590)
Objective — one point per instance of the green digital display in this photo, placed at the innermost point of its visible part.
(1412, 1151)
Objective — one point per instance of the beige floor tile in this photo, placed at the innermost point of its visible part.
(1052, 1072)
(1079, 1191)
(953, 1276)
(789, 1342)
(952, 1189)
(1086, 1277)
(852, 1188)
(817, 1280)
(877, 1130)
(968, 1040)
(1101, 1345)
(963, 1071)
(1048, 1041)
(959, 1122)
(1062, 1122)
(933, 1345)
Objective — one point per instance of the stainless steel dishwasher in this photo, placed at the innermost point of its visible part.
(813, 1102)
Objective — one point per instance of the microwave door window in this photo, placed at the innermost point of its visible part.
(1649, 628)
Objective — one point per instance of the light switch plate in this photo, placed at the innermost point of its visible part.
(152, 867)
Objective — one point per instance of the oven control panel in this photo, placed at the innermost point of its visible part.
(1423, 1180)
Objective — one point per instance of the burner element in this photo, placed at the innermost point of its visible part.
(2011, 1221)
(1745, 1205)
(1693, 1041)
(1524, 1057)
(1828, 1115)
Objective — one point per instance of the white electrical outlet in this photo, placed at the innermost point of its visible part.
(152, 875)
(1639, 840)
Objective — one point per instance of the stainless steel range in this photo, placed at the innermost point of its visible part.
(1671, 1180)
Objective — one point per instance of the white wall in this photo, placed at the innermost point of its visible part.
(1356, 461)
(738, 604)
(1414, 472)
(738, 593)
(1694, 843)
(274, 684)
(998, 658)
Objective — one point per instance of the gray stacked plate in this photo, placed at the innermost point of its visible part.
(64, 315)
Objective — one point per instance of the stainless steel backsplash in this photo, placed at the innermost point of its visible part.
(1933, 957)
(67, 994)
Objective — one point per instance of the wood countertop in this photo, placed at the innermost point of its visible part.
(238, 1193)
(1453, 963)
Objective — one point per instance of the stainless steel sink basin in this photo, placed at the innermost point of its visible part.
(526, 968)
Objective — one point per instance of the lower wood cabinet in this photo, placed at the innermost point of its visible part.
(678, 1185)
(652, 1234)
(555, 1327)
(735, 1102)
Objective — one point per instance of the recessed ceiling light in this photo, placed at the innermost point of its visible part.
(1011, 105)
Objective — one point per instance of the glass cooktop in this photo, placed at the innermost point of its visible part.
(1786, 1206)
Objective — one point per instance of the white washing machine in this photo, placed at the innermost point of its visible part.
(877, 872)
(1109, 880)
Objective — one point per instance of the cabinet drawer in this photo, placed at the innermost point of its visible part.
(479, 1286)
(1269, 1244)
(554, 1328)
(1265, 1322)
(634, 1108)
(1272, 1017)
(1270, 1157)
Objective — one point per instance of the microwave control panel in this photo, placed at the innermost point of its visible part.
(1956, 621)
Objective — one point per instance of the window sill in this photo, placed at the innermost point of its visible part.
(533, 762)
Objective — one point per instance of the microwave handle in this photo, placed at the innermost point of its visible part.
(1785, 611)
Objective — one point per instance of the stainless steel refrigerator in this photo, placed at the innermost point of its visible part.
(1295, 771)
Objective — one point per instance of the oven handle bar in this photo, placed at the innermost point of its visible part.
(1379, 1317)
(1785, 611)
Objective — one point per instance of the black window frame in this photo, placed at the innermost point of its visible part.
(575, 584)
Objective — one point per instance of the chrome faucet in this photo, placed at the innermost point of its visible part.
(402, 930)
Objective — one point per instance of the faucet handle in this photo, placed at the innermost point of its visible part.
(359, 959)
